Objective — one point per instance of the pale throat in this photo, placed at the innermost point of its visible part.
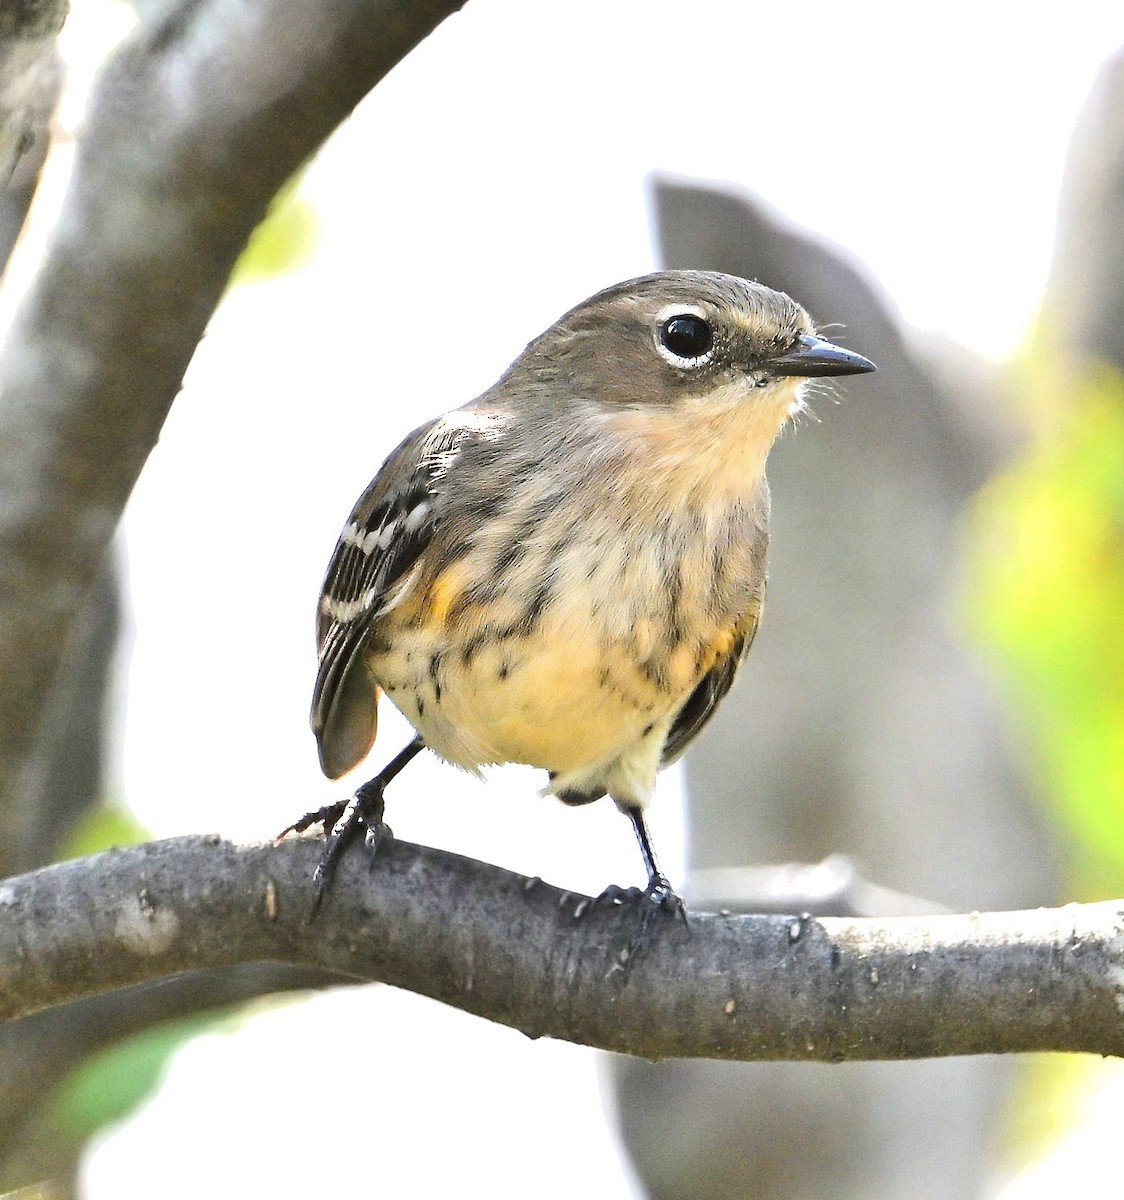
(710, 447)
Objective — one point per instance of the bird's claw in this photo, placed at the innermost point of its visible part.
(342, 822)
(660, 893)
(326, 816)
(616, 896)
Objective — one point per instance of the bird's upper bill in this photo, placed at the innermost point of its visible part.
(811, 357)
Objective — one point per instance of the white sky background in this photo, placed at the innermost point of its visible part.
(496, 178)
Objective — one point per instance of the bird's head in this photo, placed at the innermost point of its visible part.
(683, 338)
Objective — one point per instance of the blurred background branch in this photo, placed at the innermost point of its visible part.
(31, 77)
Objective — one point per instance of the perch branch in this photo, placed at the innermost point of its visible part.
(523, 953)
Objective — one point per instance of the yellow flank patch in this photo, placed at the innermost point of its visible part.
(720, 647)
(444, 592)
(724, 643)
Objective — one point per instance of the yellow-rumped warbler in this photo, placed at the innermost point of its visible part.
(567, 571)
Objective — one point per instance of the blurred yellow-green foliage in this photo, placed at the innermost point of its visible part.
(1046, 597)
(108, 1086)
(102, 828)
(284, 241)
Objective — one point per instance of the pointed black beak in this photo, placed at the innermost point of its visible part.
(810, 357)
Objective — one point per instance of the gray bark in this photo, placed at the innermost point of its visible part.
(30, 78)
(194, 126)
(555, 964)
(1085, 295)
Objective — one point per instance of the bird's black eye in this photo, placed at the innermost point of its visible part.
(686, 335)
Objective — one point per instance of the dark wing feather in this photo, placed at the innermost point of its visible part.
(712, 687)
(387, 532)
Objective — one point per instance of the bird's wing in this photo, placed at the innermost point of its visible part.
(386, 534)
(702, 702)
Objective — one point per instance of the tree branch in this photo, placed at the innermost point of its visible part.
(550, 963)
(30, 75)
(194, 126)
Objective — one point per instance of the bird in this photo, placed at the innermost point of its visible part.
(568, 570)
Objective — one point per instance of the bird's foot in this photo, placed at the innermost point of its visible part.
(653, 904)
(342, 822)
(364, 811)
(658, 896)
(661, 897)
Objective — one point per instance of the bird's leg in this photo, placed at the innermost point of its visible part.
(659, 891)
(343, 820)
(364, 810)
(657, 897)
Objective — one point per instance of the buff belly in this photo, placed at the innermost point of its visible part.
(562, 698)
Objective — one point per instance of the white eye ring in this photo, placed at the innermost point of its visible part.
(670, 314)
